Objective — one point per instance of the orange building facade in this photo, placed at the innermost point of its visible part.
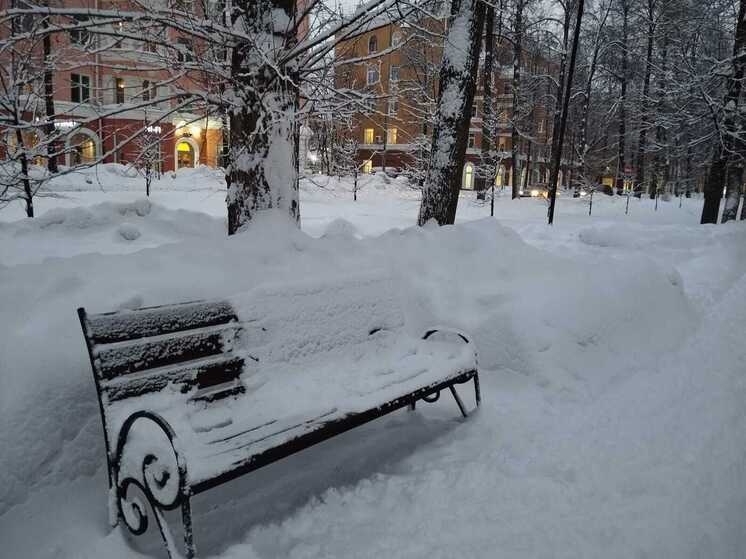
(396, 68)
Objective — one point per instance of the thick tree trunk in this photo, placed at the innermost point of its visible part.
(727, 145)
(458, 77)
(263, 171)
(733, 182)
(557, 149)
(516, 114)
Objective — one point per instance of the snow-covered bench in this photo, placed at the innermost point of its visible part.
(196, 394)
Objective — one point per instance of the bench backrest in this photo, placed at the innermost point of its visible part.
(189, 345)
(203, 347)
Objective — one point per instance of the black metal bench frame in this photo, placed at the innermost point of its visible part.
(134, 515)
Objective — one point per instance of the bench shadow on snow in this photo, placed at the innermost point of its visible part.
(223, 516)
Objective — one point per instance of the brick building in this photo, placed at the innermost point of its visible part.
(396, 67)
(105, 95)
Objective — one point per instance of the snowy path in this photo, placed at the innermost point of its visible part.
(613, 421)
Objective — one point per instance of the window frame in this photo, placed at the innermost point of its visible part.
(373, 44)
(377, 69)
(80, 84)
(368, 134)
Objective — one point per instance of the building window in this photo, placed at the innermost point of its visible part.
(508, 89)
(368, 167)
(146, 90)
(394, 73)
(468, 178)
(184, 49)
(368, 136)
(185, 157)
(119, 90)
(80, 36)
(474, 110)
(373, 74)
(372, 45)
(541, 126)
(83, 149)
(80, 88)
(391, 134)
(396, 39)
(472, 139)
(393, 106)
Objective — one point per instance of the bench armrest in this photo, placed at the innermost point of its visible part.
(442, 330)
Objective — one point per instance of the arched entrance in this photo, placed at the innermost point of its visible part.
(467, 180)
(82, 148)
(187, 153)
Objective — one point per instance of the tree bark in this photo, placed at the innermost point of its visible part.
(557, 150)
(488, 113)
(458, 77)
(643, 136)
(263, 171)
(622, 146)
(516, 114)
(725, 149)
(49, 129)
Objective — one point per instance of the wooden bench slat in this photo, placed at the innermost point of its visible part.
(204, 373)
(150, 321)
(123, 358)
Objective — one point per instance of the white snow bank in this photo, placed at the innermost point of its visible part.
(606, 428)
(109, 227)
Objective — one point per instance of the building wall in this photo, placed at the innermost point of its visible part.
(419, 63)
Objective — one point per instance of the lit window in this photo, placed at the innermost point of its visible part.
(468, 182)
(471, 139)
(368, 167)
(372, 45)
(368, 136)
(391, 136)
(373, 74)
(80, 88)
(394, 73)
(119, 90)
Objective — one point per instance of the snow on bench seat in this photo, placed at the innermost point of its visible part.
(240, 383)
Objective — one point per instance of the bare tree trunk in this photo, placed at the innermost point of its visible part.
(487, 109)
(28, 195)
(557, 150)
(263, 121)
(49, 100)
(515, 116)
(660, 166)
(733, 182)
(622, 146)
(643, 137)
(458, 77)
(727, 144)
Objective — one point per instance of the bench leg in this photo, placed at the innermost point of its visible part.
(458, 401)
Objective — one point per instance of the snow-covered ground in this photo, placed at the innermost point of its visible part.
(611, 348)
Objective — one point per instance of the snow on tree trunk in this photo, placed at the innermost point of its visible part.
(733, 182)
(643, 137)
(458, 76)
(515, 113)
(728, 143)
(263, 171)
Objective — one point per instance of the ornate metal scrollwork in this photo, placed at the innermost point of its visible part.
(162, 481)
